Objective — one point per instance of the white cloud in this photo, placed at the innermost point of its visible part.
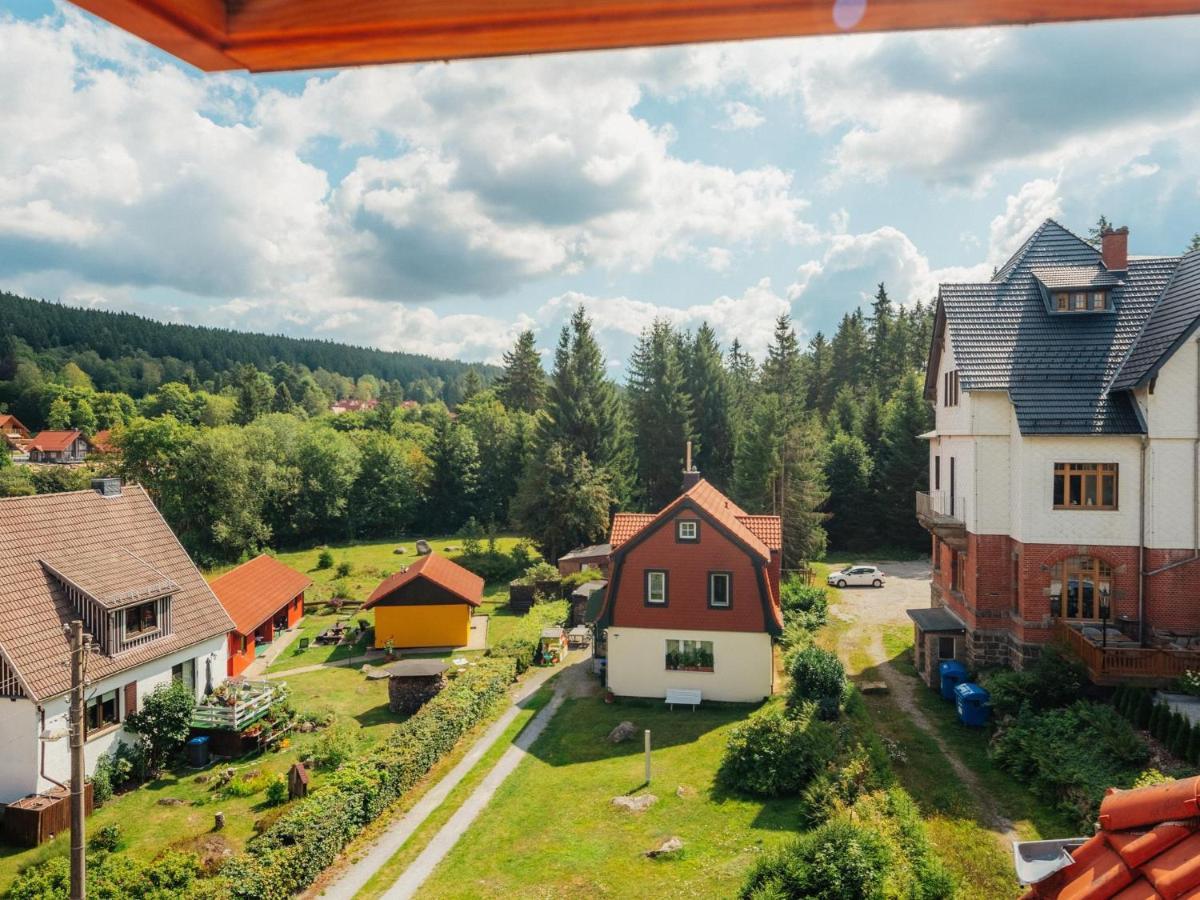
(740, 116)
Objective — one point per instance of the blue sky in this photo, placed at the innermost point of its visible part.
(441, 208)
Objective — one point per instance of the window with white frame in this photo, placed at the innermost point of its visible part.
(687, 530)
(720, 590)
(656, 587)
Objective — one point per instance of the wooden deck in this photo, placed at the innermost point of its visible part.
(1115, 665)
(256, 699)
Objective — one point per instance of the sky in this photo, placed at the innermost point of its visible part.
(442, 208)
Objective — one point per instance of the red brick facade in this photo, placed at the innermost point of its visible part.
(688, 565)
(1004, 596)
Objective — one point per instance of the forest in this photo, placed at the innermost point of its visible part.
(826, 434)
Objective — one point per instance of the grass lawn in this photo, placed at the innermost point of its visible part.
(552, 830)
(148, 826)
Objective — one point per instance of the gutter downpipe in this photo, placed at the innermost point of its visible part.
(1142, 573)
(42, 767)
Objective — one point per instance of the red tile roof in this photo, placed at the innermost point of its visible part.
(1148, 848)
(768, 529)
(50, 441)
(255, 591)
(75, 526)
(626, 525)
(10, 423)
(102, 441)
(440, 571)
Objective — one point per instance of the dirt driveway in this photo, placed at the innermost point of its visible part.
(906, 586)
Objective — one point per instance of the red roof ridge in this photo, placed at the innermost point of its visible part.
(445, 573)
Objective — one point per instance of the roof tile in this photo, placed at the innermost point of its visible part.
(256, 590)
(439, 570)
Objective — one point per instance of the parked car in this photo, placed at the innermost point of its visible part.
(856, 575)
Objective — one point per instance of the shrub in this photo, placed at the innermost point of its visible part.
(1151, 777)
(1054, 680)
(838, 861)
(819, 677)
(773, 754)
(163, 722)
(1180, 739)
(171, 874)
(1160, 726)
(539, 572)
(1189, 683)
(521, 645)
(286, 857)
(102, 785)
(248, 784)
(522, 555)
(107, 838)
(277, 791)
(1073, 754)
(807, 604)
(1144, 710)
(1193, 746)
(334, 746)
(344, 568)
(325, 559)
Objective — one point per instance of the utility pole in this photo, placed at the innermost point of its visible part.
(79, 649)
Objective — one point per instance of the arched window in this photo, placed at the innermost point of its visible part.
(1076, 584)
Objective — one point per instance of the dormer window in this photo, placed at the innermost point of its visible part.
(1081, 301)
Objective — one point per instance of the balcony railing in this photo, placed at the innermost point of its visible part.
(1107, 665)
(934, 505)
(237, 704)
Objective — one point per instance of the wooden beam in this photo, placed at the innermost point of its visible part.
(274, 35)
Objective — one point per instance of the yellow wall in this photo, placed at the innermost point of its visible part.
(426, 625)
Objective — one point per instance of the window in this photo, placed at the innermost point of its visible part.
(690, 656)
(141, 619)
(185, 673)
(720, 591)
(945, 648)
(687, 530)
(937, 473)
(950, 388)
(1076, 586)
(242, 648)
(102, 712)
(656, 587)
(956, 571)
(1081, 301)
(1085, 485)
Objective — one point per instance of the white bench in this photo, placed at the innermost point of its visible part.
(683, 696)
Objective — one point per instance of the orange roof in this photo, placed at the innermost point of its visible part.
(448, 575)
(255, 591)
(1148, 848)
(768, 529)
(102, 441)
(626, 525)
(50, 441)
(9, 422)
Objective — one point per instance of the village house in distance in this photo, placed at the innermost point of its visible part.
(1064, 465)
(693, 599)
(108, 557)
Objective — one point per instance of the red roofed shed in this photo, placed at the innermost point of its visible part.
(262, 597)
(429, 604)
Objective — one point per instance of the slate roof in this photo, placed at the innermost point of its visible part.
(1056, 369)
(1168, 326)
(112, 576)
(464, 584)
(936, 618)
(69, 526)
(587, 552)
(256, 590)
(1057, 277)
(1148, 848)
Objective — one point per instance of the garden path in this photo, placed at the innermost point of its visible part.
(352, 879)
(870, 610)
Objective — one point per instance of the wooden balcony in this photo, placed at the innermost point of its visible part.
(237, 704)
(941, 517)
(1123, 661)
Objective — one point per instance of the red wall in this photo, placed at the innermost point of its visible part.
(295, 610)
(688, 565)
(238, 661)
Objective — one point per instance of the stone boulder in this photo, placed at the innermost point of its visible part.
(670, 846)
(640, 803)
(623, 732)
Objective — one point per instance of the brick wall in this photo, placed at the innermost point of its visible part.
(1173, 597)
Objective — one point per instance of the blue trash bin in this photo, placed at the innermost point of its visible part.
(197, 751)
(974, 704)
(952, 674)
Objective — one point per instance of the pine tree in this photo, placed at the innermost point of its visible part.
(816, 373)
(712, 420)
(848, 353)
(848, 470)
(1179, 740)
(880, 340)
(743, 373)
(563, 501)
(1193, 244)
(660, 411)
(782, 372)
(1193, 746)
(844, 416)
(1144, 711)
(454, 475)
(903, 463)
(472, 384)
(522, 384)
(870, 423)
(283, 398)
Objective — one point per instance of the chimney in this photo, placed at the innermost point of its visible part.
(107, 487)
(1114, 248)
(691, 476)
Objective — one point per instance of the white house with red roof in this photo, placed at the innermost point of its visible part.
(58, 447)
(693, 599)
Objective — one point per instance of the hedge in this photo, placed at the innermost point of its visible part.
(302, 843)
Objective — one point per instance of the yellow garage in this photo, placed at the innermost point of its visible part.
(429, 604)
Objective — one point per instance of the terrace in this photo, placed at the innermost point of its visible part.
(1113, 657)
(237, 704)
(943, 516)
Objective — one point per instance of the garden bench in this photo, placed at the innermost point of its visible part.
(683, 696)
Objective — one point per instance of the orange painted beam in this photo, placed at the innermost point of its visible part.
(274, 35)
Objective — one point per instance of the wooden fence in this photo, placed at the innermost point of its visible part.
(1107, 665)
(241, 714)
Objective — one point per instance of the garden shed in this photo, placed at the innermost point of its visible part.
(429, 604)
(414, 682)
(263, 597)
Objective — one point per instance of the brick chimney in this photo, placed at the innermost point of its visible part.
(691, 475)
(1114, 248)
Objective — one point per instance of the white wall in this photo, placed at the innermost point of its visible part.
(743, 668)
(20, 723)
(1171, 476)
(950, 419)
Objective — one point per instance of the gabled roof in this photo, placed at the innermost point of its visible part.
(51, 441)
(626, 525)
(71, 526)
(1172, 321)
(450, 576)
(9, 422)
(1059, 277)
(1148, 848)
(111, 576)
(768, 529)
(256, 590)
(588, 552)
(1055, 368)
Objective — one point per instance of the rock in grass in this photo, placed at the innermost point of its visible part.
(640, 803)
(170, 801)
(872, 687)
(623, 732)
(685, 791)
(670, 846)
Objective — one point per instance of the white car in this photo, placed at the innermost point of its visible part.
(856, 575)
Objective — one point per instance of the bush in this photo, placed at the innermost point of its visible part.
(277, 791)
(521, 645)
(162, 722)
(1144, 710)
(171, 874)
(344, 568)
(539, 572)
(1193, 747)
(325, 559)
(1073, 754)
(522, 555)
(773, 754)
(248, 784)
(817, 677)
(807, 604)
(107, 838)
(1189, 683)
(334, 746)
(286, 857)
(1054, 680)
(838, 861)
